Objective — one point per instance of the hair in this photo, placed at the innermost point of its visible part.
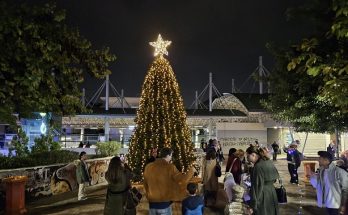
(211, 154)
(114, 169)
(258, 151)
(231, 151)
(165, 152)
(191, 188)
(82, 154)
(239, 153)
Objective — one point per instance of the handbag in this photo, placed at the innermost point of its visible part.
(281, 193)
(133, 198)
(229, 171)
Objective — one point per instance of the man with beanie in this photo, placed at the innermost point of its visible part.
(331, 183)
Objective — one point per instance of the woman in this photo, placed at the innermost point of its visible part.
(263, 195)
(234, 165)
(210, 181)
(118, 177)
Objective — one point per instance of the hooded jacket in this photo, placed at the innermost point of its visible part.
(338, 179)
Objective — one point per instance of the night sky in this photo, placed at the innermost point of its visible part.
(224, 37)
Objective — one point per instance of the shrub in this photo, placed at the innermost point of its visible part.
(38, 159)
(19, 144)
(44, 144)
(109, 148)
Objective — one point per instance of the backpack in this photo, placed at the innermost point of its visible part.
(196, 211)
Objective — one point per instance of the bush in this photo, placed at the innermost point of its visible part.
(19, 144)
(38, 159)
(110, 148)
(44, 144)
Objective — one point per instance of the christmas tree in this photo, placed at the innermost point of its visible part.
(161, 117)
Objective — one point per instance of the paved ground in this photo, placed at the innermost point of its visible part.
(301, 200)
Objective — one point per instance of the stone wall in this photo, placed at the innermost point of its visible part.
(53, 179)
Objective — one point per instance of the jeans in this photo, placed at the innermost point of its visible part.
(165, 211)
(332, 211)
(293, 173)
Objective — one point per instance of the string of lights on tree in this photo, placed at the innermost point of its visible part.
(161, 117)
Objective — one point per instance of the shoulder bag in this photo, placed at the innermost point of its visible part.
(281, 193)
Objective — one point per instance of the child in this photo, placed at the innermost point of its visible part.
(193, 204)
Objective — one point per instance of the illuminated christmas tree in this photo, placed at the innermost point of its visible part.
(161, 117)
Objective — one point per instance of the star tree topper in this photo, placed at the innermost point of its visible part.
(160, 46)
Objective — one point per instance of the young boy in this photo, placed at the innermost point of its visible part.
(193, 204)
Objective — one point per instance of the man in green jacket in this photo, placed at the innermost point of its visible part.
(82, 175)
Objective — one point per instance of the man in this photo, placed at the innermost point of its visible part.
(294, 161)
(331, 183)
(161, 178)
(82, 175)
(275, 147)
(332, 148)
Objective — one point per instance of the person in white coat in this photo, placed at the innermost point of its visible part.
(331, 183)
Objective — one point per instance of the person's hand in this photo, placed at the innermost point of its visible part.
(342, 210)
(250, 211)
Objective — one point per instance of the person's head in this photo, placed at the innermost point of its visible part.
(239, 154)
(255, 153)
(83, 155)
(166, 153)
(211, 154)
(344, 154)
(293, 145)
(191, 188)
(231, 151)
(115, 166)
(154, 152)
(340, 163)
(325, 158)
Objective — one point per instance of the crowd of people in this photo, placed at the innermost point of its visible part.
(248, 181)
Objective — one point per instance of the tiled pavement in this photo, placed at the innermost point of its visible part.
(301, 200)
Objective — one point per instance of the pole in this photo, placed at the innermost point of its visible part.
(107, 93)
(196, 100)
(83, 97)
(233, 88)
(210, 92)
(304, 145)
(122, 97)
(338, 143)
(106, 125)
(260, 74)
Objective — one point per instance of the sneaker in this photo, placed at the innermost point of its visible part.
(81, 199)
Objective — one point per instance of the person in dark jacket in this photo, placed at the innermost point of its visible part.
(294, 161)
(193, 203)
(332, 148)
(264, 199)
(118, 177)
(82, 175)
(153, 155)
(275, 148)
